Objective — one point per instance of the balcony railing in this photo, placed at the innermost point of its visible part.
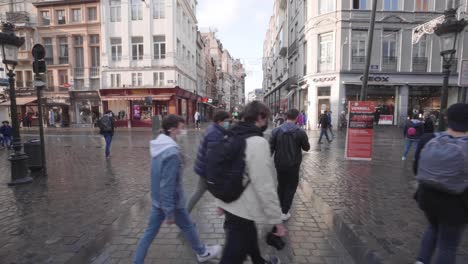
(358, 62)
(419, 64)
(29, 84)
(78, 72)
(94, 72)
(63, 60)
(19, 84)
(17, 17)
(389, 63)
(24, 55)
(49, 61)
(325, 65)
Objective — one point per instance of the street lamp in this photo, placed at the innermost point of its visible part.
(9, 44)
(448, 32)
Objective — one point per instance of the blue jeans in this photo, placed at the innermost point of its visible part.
(445, 238)
(408, 144)
(6, 141)
(157, 217)
(323, 131)
(108, 138)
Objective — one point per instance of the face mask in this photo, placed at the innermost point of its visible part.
(226, 125)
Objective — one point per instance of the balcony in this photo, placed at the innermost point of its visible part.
(63, 60)
(94, 72)
(49, 61)
(24, 55)
(419, 64)
(78, 72)
(389, 63)
(17, 17)
(292, 48)
(358, 62)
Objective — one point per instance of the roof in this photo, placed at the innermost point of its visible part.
(63, 2)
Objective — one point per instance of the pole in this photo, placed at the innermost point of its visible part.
(41, 125)
(444, 97)
(370, 42)
(464, 93)
(19, 168)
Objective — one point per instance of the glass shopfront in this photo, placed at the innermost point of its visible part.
(384, 98)
(424, 100)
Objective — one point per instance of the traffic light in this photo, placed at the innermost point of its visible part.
(39, 66)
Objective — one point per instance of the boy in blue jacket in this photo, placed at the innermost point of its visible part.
(167, 194)
(6, 132)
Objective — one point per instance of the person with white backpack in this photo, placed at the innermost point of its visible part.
(441, 168)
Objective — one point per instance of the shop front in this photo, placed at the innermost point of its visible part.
(58, 111)
(86, 108)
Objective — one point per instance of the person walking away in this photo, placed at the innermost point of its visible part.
(413, 132)
(214, 134)
(6, 132)
(330, 127)
(167, 194)
(441, 169)
(428, 124)
(107, 126)
(248, 197)
(197, 118)
(287, 143)
(300, 120)
(343, 121)
(324, 123)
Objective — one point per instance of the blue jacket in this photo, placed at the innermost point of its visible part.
(6, 131)
(166, 175)
(214, 133)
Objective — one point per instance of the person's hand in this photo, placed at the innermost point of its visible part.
(281, 231)
(170, 221)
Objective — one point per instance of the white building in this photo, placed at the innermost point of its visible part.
(148, 60)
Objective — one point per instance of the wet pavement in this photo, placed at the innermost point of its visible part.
(93, 210)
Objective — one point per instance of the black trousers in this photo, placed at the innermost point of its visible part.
(241, 241)
(288, 180)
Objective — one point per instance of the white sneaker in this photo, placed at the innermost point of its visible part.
(211, 252)
(285, 217)
(404, 158)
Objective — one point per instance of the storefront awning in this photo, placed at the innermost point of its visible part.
(20, 101)
(158, 97)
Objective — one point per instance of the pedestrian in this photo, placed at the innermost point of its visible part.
(258, 202)
(441, 170)
(107, 126)
(167, 195)
(428, 124)
(279, 118)
(6, 132)
(330, 127)
(300, 120)
(197, 118)
(414, 130)
(214, 133)
(287, 143)
(343, 122)
(324, 123)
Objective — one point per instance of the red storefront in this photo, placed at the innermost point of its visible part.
(136, 107)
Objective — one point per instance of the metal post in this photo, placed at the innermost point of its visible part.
(41, 126)
(444, 97)
(19, 168)
(370, 42)
(464, 94)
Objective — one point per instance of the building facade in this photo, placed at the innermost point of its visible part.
(405, 79)
(255, 95)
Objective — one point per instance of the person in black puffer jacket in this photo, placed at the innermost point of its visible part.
(214, 133)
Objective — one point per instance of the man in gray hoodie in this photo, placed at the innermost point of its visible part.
(167, 194)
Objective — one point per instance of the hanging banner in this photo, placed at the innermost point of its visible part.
(360, 133)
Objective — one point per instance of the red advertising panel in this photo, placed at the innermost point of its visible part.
(360, 130)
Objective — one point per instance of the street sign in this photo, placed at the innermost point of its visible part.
(360, 134)
(38, 52)
(374, 67)
(463, 78)
(39, 83)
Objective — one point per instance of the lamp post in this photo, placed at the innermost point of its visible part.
(448, 32)
(10, 44)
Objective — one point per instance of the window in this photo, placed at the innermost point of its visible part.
(49, 48)
(159, 44)
(389, 50)
(326, 52)
(92, 13)
(63, 77)
(63, 50)
(61, 17)
(79, 56)
(18, 5)
(326, 6)
(137, 48)
(358, 46)
(158, 79)
(360, 4)
(422, 5)
(159, 9)
(94, 50)
(115, 14)
(116, 49)
(390, 5)
(45, 18)
(137, 79)
(115, 80)
(76, 15)
(419, 49)
(50, 80)
(137, 10)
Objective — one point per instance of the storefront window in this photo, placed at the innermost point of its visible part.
(119, 108)
(384, 98)
(142, 111)
(85, 113)
(424, 100)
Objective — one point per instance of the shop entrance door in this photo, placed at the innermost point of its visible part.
(323, 105)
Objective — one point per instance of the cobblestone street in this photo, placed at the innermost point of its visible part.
(93, 210)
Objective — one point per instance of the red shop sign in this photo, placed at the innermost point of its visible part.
(360, 134)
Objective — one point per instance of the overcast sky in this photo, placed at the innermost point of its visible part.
(241, 26)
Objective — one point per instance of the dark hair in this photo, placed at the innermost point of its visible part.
(108, 112)
(171, 121)
(292, 114)
(255, 109)
(5, 122)
(221, 116)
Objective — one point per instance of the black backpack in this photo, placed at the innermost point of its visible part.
(105, 124)
(225, 168)
(286, 153)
